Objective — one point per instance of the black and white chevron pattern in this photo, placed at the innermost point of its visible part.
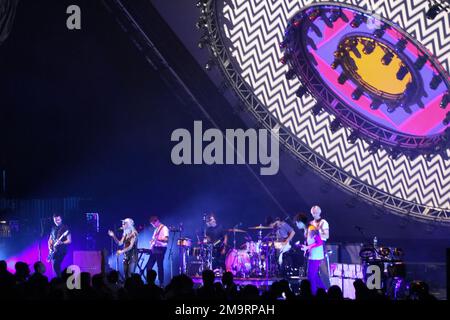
(253, 30)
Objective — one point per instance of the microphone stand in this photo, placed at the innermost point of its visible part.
(171, 254)
(362, 233)
(41, 234)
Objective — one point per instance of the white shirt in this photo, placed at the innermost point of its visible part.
(160, 233)
(322, 226)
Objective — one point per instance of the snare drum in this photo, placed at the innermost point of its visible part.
(184, 242)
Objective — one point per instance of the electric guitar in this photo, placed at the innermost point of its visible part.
(282, 246)
(53, 248)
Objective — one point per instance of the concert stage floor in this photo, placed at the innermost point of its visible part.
(260, 283)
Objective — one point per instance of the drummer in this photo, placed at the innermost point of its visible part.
(216, 235)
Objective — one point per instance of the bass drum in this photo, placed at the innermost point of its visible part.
(238, 263)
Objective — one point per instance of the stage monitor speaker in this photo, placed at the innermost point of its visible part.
(88, 261)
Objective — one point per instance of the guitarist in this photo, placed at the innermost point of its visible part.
(58, 241)
(283, 235)
(314, 247)
(323, 228)
(158, 247)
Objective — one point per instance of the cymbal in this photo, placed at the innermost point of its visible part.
(260, 228)
(236, 230)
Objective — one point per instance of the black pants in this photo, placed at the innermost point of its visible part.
(57, 261)
(157, 256)
(129, 264)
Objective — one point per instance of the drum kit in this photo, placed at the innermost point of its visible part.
(251, 259)
(388, 259)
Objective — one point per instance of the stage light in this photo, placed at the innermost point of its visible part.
(342, 78)
(352, 45)
(401, 45)
(375, 104)
(394, 153)
(446, 121)
(428, 157)
(445, 100)
(437, 148)
(402, 72)
(420, 62)
(357, 21)
(316, 109)
(203, 42)
(357, 94)
(209, 65)
(284, 43)
(200, 4)
(335, 125)
(387, 58)
(335, 14)
(391, 108)
(379, 33)
(301, 91)
(435, 82)
(353, 137)
(406, 108)
(290, 74)
(413, 155)
(201, 23)
(326, 20)
(433, 11)
(314, 14)
(373, 147)
(369, 46)
(285, 58)
(335, 63)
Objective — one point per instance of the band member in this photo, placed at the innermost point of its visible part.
(301, 222)
(216, 235)
(314, 247)
(58, 241)
(158, 247)
(283, 236)
(129, 241)
(324, 231)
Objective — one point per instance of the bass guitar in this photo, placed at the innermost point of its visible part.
(53, 247)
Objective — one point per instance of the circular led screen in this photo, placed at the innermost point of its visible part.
(320, 130)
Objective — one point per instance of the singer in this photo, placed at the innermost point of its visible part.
(129, 241)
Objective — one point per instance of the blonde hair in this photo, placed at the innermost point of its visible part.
(130, 229)
(316, 209)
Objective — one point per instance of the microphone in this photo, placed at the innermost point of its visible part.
(181, 226)
(238, 225)
(358, 228)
